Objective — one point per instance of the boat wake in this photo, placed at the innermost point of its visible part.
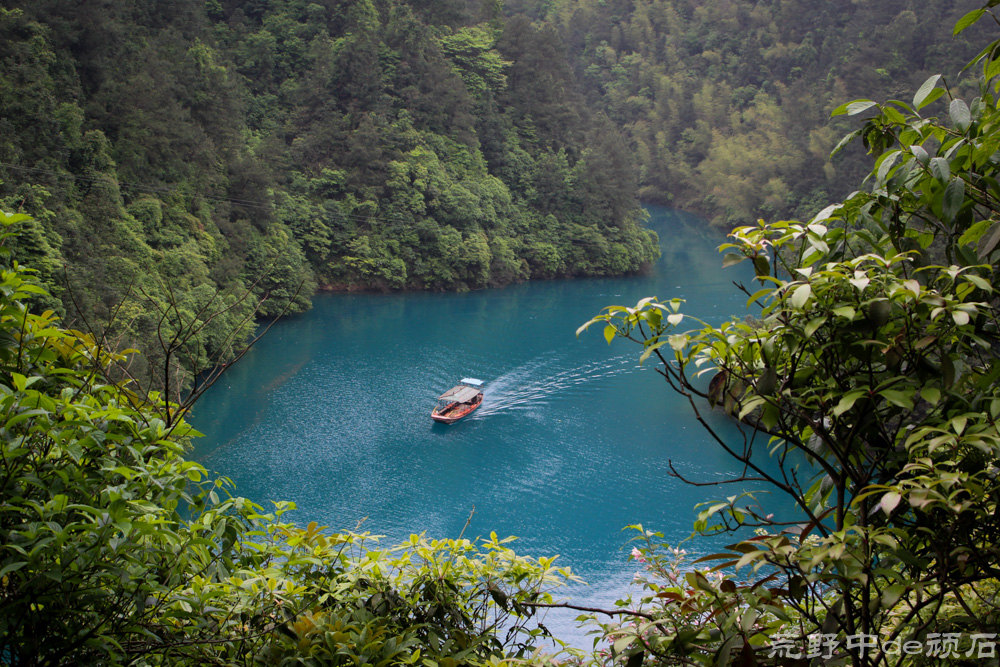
(533, 383)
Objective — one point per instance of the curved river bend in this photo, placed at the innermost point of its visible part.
(571, 444)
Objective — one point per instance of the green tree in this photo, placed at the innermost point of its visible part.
(477, 62)
(277, 269)
(865, 390)
(718, 99)
(114, 549)
(286, 144)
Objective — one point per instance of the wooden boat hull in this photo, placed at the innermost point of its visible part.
(455, 411)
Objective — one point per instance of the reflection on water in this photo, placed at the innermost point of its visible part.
(573, 441)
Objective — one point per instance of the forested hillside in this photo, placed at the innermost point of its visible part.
(177, 157)
(171, 150)
(869, 366)
(168, 151)
(727, 104)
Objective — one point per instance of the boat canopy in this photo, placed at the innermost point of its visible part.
(472, 381)
(459, 394)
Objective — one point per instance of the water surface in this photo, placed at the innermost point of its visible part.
(572, 443)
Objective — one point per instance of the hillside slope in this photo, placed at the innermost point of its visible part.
(168, 154)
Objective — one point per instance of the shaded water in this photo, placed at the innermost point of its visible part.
(572, 443)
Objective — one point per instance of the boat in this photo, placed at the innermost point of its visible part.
(459, 401)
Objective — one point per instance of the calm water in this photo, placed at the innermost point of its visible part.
(572, 443)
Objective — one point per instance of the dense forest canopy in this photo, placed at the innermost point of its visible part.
(726, 105)
(177, 156)
(169, 152)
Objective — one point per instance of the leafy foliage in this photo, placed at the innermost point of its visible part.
(279, 147)
(868, 378)
(116, 550)
(725, 105)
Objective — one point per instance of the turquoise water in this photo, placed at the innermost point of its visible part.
(572, 443)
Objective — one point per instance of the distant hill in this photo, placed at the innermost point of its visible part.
(726, 105)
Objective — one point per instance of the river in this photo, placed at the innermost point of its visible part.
(572, 443)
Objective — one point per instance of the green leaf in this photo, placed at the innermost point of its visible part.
(975, 232)
(698, 581)
(958, 423)
(919, 498)
(920, 99)
(769, 415)
(800, 296)
(960, 115)
(759, 294)
(991, 69)
(893, 114)
(931, 394)
(827, 212)
(13, 218)
(751, 405)
(655, 318)
(847, 401)
(885, 163)
(12, 567)
(940, 169)
(920, 154)
(891, 595)
(731, 259)
(979, 282)
(678, 341)
(622, 644)
(947, 371)
(814, 324)
(989, 241)
(903, 399)
(767, 382)
(650, 350)
(843, 142)
(934, 96)
(846, 312)
(889, 502)
(954, 197)
(761, 265)
(609, 333)
(854, 108)
(968, 20)
(19, 381)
